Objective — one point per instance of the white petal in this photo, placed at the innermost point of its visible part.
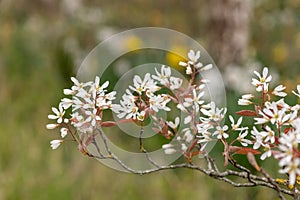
(51, 126)
(187, 119)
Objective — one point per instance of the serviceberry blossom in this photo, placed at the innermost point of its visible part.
(194, 100)
(163, 76)
(298, 91)
(213, 112)
(262, 83)
(174, 124)
(169, 148)
(236, 126)
(245, 100)
(274, 134)
(221, 132)
(88, 101)
(59, 114)
(193, 63)
(241, 138)
(278, 91)
(55, 143)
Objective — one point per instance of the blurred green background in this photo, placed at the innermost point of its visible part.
(42, 43)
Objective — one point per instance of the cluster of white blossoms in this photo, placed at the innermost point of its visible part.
(275, 133)
(141, 98)
(88, 101)
(277, 130)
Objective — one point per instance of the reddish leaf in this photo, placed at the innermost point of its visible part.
(245, 151)
(246, 113)
(276, 140)
(286, 130)
(194, 143)
(195, 153)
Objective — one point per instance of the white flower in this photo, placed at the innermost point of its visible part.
(140, 85)
(204, 139)
(221, 132)
(169, 148)
(55, 143)
(159, 102)
(97, 88)
(258, 136)
(263, 80)
(175, 83)
(194, 100)
(286, 149)
(244, 102)
(292, 169)
(79, 85)
(187, 119)
(238, 123)
(241, 138)
(66, 103)
(181, 107)
(69, 92)
(267, 152)
(63, 132)
(270, 135)
(188, 136)
(141, 116)
(92, 117)
(52, 126)
(184, 147)
(193, 57)
(188, 70)
(214, 113)
(275, 116)
(59, 113)
(278, 91)
(163, 76)
(175, 124)
(298, 91)
(204, 127)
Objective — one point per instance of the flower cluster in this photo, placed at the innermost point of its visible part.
(277, 124)
(88, 101)
(141, 98)
(275, 133)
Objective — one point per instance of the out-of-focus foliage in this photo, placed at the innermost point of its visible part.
(42, 43)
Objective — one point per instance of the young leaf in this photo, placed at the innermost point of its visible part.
(246, 113)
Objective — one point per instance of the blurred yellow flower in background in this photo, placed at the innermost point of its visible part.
(173, 58)
(280, 53)
(133, 43)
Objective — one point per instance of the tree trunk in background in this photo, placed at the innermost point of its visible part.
(229, 30)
